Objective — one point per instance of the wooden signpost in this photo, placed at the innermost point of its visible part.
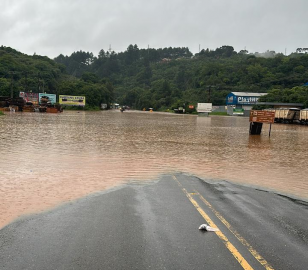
(257, 116)
(262, 116)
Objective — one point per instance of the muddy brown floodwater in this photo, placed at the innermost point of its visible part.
(47, 159)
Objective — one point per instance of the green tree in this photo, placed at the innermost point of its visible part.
(4, 87)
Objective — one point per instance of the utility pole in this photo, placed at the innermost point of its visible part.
(38, 82)
(26, 81)
(12, 82)
(12, 86)
(209, 96)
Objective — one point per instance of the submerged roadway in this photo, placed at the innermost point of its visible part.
(154, 225)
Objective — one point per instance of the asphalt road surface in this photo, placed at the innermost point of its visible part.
(154, 225)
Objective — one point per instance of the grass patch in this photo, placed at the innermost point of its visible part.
(1, 113)
(219, 113)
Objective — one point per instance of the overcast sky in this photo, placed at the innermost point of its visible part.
(63, 26)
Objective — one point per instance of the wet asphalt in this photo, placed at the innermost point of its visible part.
(154, 225)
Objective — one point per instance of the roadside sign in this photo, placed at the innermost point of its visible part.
(262, 116)
(30, 97)
(204, 107)
(51, 97)
(72, 100)
(238, 111)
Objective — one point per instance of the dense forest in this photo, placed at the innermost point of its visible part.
(158, 78)
(38, 74)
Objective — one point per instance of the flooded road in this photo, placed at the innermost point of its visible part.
(47, 159)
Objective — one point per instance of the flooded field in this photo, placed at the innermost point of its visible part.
(47, 159)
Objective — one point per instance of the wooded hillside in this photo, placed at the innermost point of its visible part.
(157, 78)
(166, 78)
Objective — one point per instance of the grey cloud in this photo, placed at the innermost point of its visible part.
(54, 27)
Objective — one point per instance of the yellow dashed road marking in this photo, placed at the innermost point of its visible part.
(237, 255)
(254, 253)
(230, 247)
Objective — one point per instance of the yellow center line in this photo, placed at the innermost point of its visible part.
(254, 253)
(236, 254)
